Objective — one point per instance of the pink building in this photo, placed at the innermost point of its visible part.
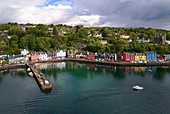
(34, 56)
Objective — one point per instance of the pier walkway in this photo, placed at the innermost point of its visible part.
(41, 80)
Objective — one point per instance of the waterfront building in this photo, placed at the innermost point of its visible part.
(128, 57)
(91, 56)
(166, 57)
(151, 56)
(82, 54)
(16, 59)
(140, 57)
(99, 57)
(34, 56)
(56, 54)
(51, 54)
(71, 53)
(110, 57)
(43, 56)
(78, 55)
(160, 57)
(60, 54)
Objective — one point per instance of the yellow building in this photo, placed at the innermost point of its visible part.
(140, 57)
(124, 36)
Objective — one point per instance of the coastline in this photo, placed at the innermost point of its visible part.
(108, 63)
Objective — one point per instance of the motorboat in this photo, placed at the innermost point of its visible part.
(31, 74)
(136, 87)
(28, 69)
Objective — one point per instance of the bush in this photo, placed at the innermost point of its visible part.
(4, 62)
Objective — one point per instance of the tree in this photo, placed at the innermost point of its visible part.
(168, 35)
(151, 33)
(23, 43)
(133, 36)
(13, 40)
(104, 32)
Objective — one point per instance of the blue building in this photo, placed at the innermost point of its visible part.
(151, 56)
(99, 57)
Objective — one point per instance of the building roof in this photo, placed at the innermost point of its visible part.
(2, 53)
(16, 56)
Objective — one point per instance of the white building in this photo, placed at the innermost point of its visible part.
(16, 59)
(61, 54)
(24, 51)
(142, 40)
(43, 56)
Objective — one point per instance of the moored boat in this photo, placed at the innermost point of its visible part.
(28, 69)
(30, 74)
(136, 87)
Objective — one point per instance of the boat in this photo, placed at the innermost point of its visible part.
(31, 74)
(28, 69)
(136, 87)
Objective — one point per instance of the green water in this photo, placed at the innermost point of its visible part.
(87, 89)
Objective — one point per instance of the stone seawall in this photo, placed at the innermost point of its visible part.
(7, 67)
(124, 64)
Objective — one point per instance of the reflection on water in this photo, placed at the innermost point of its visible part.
(84, 70)
(87, 88)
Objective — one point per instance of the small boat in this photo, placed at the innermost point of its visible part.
(28, 69)
(136, 87)
(31, 74)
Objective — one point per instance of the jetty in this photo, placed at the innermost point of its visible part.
(44, 84)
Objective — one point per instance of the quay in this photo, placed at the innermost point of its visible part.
(108, 63)
(8, 67)
(41, 80)
(121, 64)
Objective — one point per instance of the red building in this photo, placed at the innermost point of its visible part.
(128, 57)
(91, 57)
(166, 57)
(34, 56)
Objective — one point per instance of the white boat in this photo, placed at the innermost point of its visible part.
(31, 74)
(28, 69)
(136, 87)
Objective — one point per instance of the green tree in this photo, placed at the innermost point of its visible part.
(133, 36)
(24, 43)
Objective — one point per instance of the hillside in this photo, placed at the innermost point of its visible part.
(40, 37)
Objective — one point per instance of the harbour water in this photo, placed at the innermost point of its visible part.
(87, 89)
